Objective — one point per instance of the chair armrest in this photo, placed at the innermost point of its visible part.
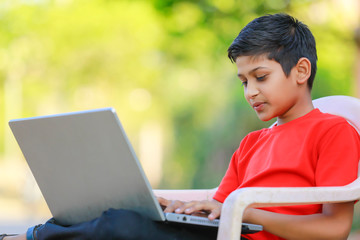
(186, 194)
(236, 203)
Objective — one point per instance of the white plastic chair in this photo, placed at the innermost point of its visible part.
(239, 200)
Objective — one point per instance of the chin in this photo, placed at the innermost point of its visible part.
(264, 118)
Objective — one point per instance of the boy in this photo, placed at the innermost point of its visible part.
(276, 60)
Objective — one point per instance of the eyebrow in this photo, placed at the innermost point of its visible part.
(253, 70)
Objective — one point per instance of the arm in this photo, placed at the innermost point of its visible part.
(333, 223)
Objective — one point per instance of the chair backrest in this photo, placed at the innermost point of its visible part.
(344, 106)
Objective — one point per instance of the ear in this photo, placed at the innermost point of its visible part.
(303, 70)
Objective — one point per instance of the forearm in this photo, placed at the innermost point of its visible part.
(331, 224)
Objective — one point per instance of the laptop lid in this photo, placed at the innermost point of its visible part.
(84, 165)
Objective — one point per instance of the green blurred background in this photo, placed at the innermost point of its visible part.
(162, 64)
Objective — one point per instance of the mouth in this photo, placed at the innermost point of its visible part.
(258, 106)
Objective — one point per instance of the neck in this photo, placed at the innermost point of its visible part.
(301, 108)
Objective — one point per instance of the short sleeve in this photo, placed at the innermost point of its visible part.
(338, 156)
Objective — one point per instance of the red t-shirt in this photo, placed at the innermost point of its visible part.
(317, 149)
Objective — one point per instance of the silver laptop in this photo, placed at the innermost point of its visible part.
(84, 164)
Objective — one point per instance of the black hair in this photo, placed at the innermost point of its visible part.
(280, 36)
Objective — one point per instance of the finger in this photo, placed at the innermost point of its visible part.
(197, 206)
(185, 206)
(173, 205)
(215, 213)
(190, 207)
(212, 207)
(163, 201)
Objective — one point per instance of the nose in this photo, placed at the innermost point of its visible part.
(251, 90)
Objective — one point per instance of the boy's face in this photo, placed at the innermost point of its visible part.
(267, 89)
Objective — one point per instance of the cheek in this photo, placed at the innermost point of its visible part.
(275, 90)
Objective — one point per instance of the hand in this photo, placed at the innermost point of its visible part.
(213, 207)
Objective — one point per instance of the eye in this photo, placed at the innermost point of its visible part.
(261, 78)
(243, 80)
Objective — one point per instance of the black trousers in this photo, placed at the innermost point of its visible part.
(122, 225)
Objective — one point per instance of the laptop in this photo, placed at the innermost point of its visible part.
(84, 164)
